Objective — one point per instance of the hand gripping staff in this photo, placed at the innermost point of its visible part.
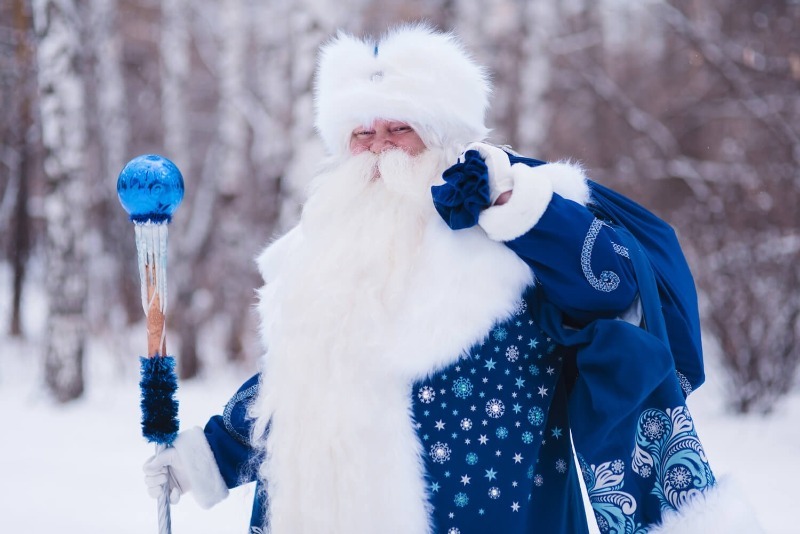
(150, 188)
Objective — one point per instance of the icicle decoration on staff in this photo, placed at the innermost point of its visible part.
(150, 188)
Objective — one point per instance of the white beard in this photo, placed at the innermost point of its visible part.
(370, 292)
(362, 233)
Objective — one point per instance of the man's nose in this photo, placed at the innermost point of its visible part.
(380, 143)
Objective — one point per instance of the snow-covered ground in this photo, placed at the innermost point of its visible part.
(77, 468)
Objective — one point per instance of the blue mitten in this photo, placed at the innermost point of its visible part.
(465, 193)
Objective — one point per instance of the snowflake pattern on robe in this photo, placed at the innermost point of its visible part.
(482, 421)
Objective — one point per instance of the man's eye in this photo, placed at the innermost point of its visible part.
(401, 129)
(363, 133)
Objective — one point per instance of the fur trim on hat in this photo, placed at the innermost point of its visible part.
(414, 74)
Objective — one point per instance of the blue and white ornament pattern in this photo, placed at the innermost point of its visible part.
(667, 446)
(667, 456)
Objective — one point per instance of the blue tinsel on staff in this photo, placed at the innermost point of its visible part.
(159, 405)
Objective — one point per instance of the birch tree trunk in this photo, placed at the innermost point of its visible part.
(272, 146)
(111, 98)
(310, 23)
(493, 30)
(174, 47)
(234, 186)
(62, 99)
(112, 139)
(232, 123)
(21, 171)
(541, 24)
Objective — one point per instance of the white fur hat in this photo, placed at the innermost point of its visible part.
(413, 74)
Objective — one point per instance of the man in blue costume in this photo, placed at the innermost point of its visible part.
(406, 385)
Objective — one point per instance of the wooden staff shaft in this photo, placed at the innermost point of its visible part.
(156, 320)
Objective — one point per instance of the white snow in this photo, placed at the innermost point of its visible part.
(77, 468)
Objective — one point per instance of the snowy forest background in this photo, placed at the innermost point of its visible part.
(690, 106)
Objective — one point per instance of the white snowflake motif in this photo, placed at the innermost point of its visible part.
(440, 452)
(561, 466)
(502, 432)
(426, 394)
(533, 370)
(495, 408)
(602, 524)
(617, 467)
(461, 499)
(679, 477)
(527, 438)
(454, 530)
(536, 416)
(494, 492)
(521, 307)
(499, 334)
(462, 387)
(512, 353)
(472, 458)
(653, 428)
(538, 480)
(466, 424)
(645, 471)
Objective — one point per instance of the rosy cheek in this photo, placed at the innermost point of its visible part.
(357, 147)
(413, 149)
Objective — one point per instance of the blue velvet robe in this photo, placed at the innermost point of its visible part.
(497, 425)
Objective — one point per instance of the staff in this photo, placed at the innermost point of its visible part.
(150, 188)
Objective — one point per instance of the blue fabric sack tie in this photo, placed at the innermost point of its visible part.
(465, 193)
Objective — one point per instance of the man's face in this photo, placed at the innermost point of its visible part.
(386, 135)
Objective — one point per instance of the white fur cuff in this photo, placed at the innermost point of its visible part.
(721, 509)
(529, 200)
(198, 461)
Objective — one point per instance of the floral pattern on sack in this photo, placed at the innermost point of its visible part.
(614, 509)
(667, 448)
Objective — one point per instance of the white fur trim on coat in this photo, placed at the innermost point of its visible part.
(413, 74)
(721, 509)
(200, 467)
(531, 195)
(269, 260)
(569, 181)
(533, 190)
